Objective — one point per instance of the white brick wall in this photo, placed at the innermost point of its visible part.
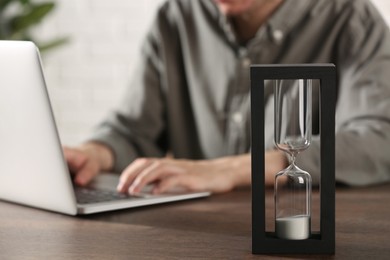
(87, 76)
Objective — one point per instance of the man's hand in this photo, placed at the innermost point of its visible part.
(216, 175)
(87, 160)
(166, 173)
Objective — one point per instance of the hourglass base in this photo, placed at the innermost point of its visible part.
(293, 228)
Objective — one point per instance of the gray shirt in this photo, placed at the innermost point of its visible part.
(190, 90)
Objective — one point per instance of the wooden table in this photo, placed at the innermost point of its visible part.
(216, 227)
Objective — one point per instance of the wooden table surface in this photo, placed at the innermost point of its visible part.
(218, 227)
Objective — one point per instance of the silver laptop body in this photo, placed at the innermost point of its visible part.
(33, 170)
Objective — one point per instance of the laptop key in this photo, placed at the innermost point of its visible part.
(88, 195)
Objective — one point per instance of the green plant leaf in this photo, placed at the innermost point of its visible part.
(4, 3)
(33, 16)
(52, 44)
(28, 14)
(24, 1)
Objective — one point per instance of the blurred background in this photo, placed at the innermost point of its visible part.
(87, 75)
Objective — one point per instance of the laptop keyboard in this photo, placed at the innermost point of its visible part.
(88, 195)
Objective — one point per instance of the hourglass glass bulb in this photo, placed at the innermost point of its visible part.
(292, 135)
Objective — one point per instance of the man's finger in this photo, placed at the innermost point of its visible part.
(159, 172)
(86, 174)
(155, 172)
(130, 173)
(74, 158)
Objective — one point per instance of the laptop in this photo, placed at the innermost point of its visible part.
(33, 170)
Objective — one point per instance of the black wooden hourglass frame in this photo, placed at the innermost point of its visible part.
(322, 242)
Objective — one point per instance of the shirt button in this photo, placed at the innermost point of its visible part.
(237, 118)
(242, 51)
(278, 35)
(246, 62)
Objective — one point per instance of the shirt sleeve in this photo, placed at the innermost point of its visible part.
(363, 103)
(136, 127)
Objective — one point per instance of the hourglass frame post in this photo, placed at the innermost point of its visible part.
(264, 242)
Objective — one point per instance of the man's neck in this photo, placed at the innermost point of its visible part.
(247, 24)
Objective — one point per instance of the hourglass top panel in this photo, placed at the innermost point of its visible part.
(260, 72)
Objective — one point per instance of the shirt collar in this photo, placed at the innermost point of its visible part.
(277, 26)
(221, 20)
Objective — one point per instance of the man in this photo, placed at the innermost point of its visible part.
(189, 98)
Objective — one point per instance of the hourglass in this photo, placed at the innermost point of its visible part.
(293, 128)
(293, 135)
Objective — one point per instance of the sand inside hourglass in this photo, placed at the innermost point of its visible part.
(294, 228)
